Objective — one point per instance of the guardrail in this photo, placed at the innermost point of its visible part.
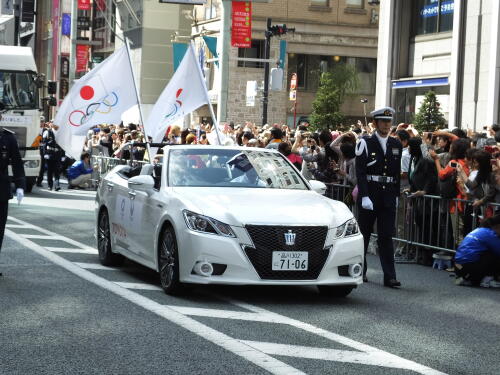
(103, 164)
(427, 222)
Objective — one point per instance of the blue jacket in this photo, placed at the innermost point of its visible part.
(77, 169)
(476, 242)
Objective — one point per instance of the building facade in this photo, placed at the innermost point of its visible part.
(327, 32)
(448, 46)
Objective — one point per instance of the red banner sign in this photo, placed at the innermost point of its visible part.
(241, 35)
(84, 4)
(82, 57)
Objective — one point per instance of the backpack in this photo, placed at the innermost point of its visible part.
(448, 186)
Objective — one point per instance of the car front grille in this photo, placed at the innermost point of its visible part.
(268, 238)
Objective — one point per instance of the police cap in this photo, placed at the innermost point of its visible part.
(386, 113)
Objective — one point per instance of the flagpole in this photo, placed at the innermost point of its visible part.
(207, 97)
(138, 100)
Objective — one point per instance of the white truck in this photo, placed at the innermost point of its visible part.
(19, 96)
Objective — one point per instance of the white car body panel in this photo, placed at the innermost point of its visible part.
(137, 220)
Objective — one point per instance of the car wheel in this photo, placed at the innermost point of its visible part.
(168, 260)
(335, 291)
(106, 256)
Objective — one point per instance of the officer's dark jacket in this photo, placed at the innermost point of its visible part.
(9, 154)
(372, 161)
(50, 146)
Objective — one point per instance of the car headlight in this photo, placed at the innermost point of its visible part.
(349, 228)
(205, 224)
(32, 163)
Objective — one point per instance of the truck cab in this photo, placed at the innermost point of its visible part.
(20, 98)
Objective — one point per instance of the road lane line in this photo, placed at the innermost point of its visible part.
(88, 250)
(39, 237)
(16, 226)
(95, 266)
(139, 286)
(226, 314)
(234, 346)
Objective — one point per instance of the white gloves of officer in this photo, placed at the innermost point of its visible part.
(367, 203)
(46, 156)
(19, 195)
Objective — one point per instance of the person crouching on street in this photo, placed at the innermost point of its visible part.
(477, 260)
(80, 172)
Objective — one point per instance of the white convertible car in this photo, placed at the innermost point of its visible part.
(228, 215)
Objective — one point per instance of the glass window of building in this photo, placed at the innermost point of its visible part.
(354, 3)
(432, 16)
(323, 3)
(256, 51)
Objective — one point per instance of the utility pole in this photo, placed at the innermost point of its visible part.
(224, 61)
(277, 30)
(72, 55)
(17, 14)
(267, 52)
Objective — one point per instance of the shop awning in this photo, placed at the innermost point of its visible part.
(404, 84)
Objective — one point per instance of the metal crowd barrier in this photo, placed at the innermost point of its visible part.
(103, 164)
(426, 223)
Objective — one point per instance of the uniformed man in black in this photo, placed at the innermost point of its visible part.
(9, 154)
(378, 170)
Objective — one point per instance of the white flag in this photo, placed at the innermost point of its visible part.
(185, 93)
(100, 96)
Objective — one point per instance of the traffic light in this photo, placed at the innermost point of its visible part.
(278, 30)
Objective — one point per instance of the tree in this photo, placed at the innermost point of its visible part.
(334, 87)
(429, 117)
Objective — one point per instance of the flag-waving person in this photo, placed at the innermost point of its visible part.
(100, 96)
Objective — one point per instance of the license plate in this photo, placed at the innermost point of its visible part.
(290, 260)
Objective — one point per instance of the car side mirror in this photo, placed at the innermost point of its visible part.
(143, 183)
(318, 186)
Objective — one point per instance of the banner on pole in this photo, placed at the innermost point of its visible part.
(84, 4)
(179, 52)
(66, 24)
(241, 33)
(82, 57)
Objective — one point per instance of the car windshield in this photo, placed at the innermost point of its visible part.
(232, 168)
(18, 90)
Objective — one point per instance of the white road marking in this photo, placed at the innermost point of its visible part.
(40, 237)
(87, 250)
(365, 353)
(252, 355)
(17, 226)
(138, 286)
(95, 266)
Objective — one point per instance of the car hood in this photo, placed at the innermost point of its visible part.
(241, 206)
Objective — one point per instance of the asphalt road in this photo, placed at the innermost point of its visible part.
(60, 313)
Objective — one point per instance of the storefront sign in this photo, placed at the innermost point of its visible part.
(66, 24)
(83, 23)
(28, 11)
(241, 24)
(432, 10)
(293, 87)
(82, 58)
(84, 4)
(64, 73)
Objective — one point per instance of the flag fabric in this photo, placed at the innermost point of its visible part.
(99, 97)
(185, 93)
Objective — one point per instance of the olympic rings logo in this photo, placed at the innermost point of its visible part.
(78, 117)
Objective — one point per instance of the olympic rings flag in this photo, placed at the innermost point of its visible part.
(185, 92)
(100, 96)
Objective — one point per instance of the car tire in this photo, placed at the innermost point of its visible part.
(334, 291)
(168, 263)
(106, 256)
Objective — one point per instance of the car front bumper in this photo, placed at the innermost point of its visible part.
(199, 247)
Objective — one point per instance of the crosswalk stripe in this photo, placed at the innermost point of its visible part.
(95, 266)
(226, 314)
(138, 286)
(88, 250)
(38, 237)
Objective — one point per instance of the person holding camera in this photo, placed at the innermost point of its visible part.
(378, 173)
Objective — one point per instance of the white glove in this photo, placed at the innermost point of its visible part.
(46, 156)
(63, 158)
(397, 202)
(19, 195)
(366, 203)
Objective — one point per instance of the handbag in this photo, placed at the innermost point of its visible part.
(448, 186)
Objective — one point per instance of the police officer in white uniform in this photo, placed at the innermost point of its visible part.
(378, 171)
